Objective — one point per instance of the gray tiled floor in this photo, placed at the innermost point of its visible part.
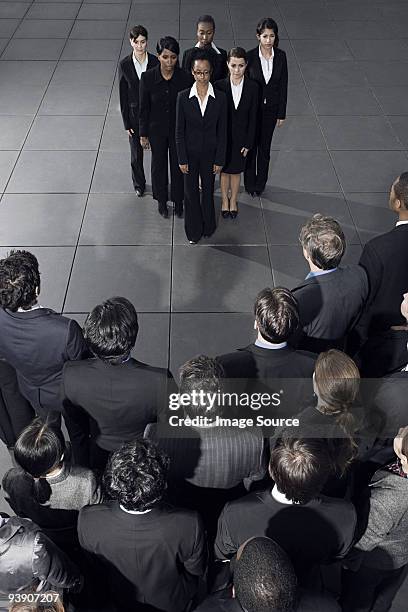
(65, 185)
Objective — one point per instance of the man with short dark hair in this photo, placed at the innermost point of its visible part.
(153, 554)
(36, 341)
(264, 580)
(119, 393)
(384, 259)
(270, 359)
(332, 296)
(312, 529)
(205, 40)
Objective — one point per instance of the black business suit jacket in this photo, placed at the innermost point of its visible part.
(329, 307)
(272, 95)
(158, 99)
(36, 344)
(15, 412)
(151, 559)
(384, 259)
(218, 60)
(122, 399)
(272, 370)
(129, 90)
(241, 120)
(201, 136)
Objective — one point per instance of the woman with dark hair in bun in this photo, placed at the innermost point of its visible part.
(267, 65)
(158, 95)
(242, 98)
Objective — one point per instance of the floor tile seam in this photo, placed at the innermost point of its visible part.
(20, 21)
(316, 116)
(40, 102)
(94, 165)
(386, 116)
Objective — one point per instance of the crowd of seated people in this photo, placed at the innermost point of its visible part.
(114, 512)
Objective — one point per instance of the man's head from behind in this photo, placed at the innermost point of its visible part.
(19, 281)
(200, 374)
(111, 330)
(323, 242)
(264, 578)
(136, 475)
(276, 314)
(300, 468)
(399, 196)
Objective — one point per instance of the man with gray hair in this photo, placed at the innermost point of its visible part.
(331, 297)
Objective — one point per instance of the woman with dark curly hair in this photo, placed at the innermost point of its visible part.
(152, 553)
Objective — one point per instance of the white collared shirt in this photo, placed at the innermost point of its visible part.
(203, 104)
(213, 47)
(134, 511)
(267, 65)
(280, 497)
(140, 67)
(401, 223)
(35, 307)
(237, 92)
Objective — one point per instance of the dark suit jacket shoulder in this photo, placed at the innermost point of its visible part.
(198, 135)
(256, 362)
(330, 306)
(129, 90)
(274, 94)
(153, 558)
(157, 114)
(241, 121)
(122, 399)
(384, 260)
(37, 343)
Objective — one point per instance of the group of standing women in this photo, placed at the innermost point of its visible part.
(215, 115)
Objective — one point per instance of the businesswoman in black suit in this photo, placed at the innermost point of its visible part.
(131, 69)
(267, 66)
(158, 95)
(201, 139)
(242, 99)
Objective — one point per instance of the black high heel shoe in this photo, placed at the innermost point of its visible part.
(225, 214)
(233, 214)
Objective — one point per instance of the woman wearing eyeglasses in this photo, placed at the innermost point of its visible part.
(201, 137)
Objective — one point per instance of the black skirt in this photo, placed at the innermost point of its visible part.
(235, 161)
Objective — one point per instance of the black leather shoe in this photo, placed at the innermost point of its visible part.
(250, 192)
(178, 209)
(225, 214)
(139, 192)
(233, 214)
(259, 192)
(163, 210)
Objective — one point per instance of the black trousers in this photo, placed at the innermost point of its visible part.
(15, 411)
(199, 217)
(136, 162)
(371, 590)
(257, 163)
(162, 148)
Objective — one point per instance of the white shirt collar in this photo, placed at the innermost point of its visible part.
(203, 104)
(134, 511)
(213, 46)
(401, 223)
(266, 65)
(280, 497)
(35, 307)
(236, 91)
(140, 67)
